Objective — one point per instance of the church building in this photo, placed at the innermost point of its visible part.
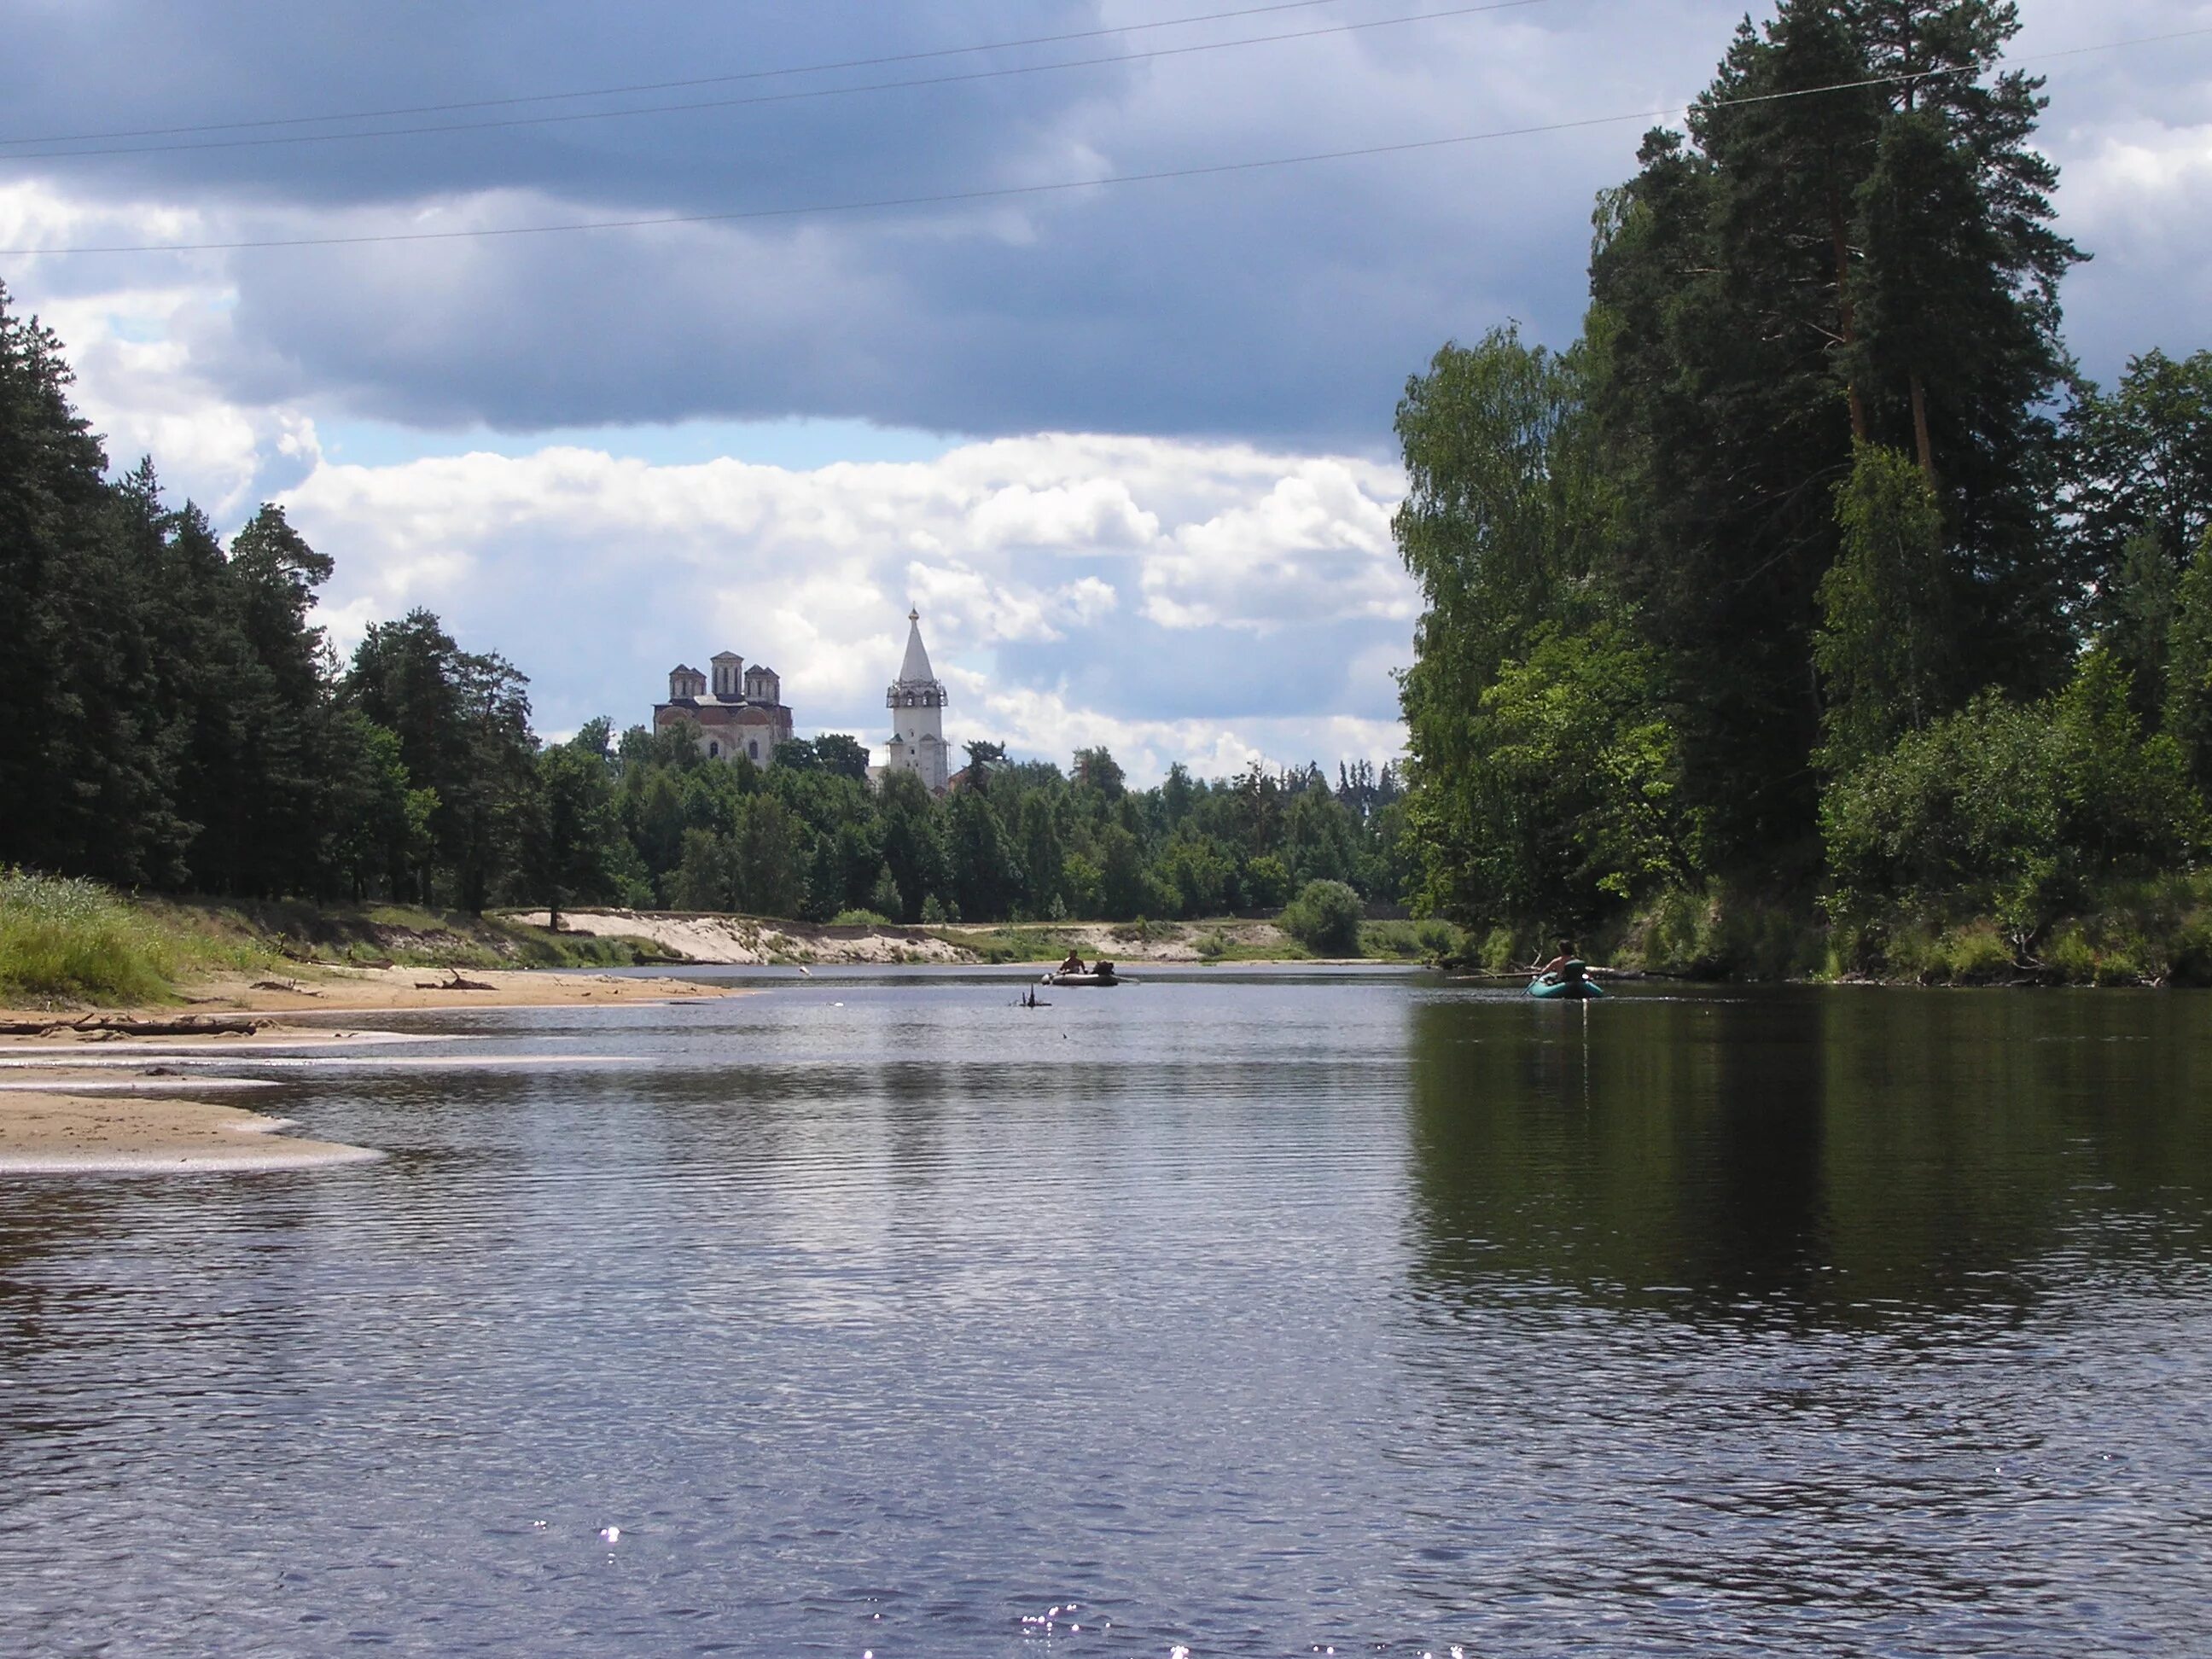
(916, 700)
(743, 715)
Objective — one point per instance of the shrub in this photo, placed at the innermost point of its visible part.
(859, 919)
(2013, 812)
(1975, 955)
(1325, 918)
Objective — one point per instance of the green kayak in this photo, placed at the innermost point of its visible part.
(1572, 989)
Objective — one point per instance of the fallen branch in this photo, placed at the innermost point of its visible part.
(454, 983)
(99, 1026)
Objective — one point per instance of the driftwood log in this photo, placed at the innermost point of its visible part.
(453, 983)
(123, 1025)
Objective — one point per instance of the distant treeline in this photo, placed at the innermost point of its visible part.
(1813, 570)
(172, 720)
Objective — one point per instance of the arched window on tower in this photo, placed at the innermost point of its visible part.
(753, 749)
(714, 751)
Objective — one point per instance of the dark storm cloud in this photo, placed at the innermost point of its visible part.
(1284, 306)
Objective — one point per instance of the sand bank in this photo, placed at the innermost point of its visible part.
(327, 990)
(380, 989)
(63, 1110)
(745, 942)
(68, 1135)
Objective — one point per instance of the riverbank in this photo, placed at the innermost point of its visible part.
(67, 943)
(2145, 933)
(749, 941)
(86, 1092)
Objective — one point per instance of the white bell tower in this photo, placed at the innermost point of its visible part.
(916, 700)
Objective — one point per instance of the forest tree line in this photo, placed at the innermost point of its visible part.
(175, 721)
(1815, 569)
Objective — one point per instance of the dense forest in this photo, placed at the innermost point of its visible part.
(175, 722)
(1813, 578)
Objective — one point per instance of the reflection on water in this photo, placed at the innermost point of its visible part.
(1840, 1157)
(1254, 1314)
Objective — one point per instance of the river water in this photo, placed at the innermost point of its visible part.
(1243, 1313)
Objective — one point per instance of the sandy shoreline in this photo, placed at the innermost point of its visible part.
(111, 1134)
(381, 989)
(64, 1111)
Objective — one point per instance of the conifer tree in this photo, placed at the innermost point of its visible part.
(82, 771)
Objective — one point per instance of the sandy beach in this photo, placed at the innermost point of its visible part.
(747, 941)
(370, 989)
(79, 1095)
(117, 1135)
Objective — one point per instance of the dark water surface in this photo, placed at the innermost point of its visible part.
(1254, 1314)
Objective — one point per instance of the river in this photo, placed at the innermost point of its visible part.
(1238, 1312)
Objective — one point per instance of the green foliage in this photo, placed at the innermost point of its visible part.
(2141, 464)
(858, 918)
(1719, 931)
(75, 939)
(984, 881)
(1544, 766)
(2134, 617)
(2013, 812)
(65, 938)
(1883, 647)
(570, 833)
(1506, 515)
(1096, 770)
(1266, 884)
(2189, 668)
(1871, 265)
(463, 722)
(1566, 805)
(1325, 918)
(704, 877)
(1499, 951)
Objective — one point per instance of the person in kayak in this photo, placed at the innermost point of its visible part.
(1565, 969)
(1073, 965)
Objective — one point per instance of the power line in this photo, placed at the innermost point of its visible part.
(799, 95)
(1012, 191)
(669, 86)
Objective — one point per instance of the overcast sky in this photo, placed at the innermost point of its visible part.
(1127, 444)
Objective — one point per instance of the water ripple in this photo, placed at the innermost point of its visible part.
(1247, 1318)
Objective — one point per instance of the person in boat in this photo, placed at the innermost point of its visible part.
(1565, 969)
(1073, 965)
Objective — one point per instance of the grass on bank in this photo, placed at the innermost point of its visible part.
(64, 939)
